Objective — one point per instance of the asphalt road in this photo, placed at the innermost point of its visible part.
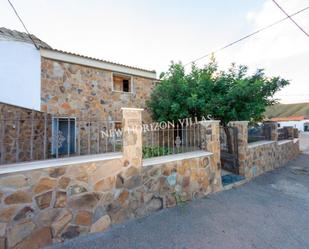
(270, 212)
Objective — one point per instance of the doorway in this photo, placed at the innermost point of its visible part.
(63, 136)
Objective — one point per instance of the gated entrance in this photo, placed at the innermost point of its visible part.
(229, 149)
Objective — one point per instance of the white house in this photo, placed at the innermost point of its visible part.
(299, 122)
(20, 69)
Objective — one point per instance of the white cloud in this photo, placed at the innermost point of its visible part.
(282, 50)
(150, 34)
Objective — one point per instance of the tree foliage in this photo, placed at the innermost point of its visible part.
(225, 95)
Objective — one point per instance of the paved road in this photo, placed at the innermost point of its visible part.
(270, 212)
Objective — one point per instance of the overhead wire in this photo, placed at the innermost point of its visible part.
(247, 36)
(18, 16)
(304, 31)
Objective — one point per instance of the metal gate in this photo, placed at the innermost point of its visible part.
(229, 149)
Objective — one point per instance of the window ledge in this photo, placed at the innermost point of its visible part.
(115, 91)
(175, 157)
(25, 166)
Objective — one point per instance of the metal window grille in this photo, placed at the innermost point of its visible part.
(174, 139)
(39, 136)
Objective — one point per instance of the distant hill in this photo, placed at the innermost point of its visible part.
(287, 110)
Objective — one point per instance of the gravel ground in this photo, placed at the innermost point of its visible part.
(270, 212)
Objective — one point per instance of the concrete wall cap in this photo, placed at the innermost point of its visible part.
(59, 162)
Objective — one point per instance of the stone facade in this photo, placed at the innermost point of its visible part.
(269, 156)
(43, 206)
(132, 136)
(76, 91)
(210, 141)
(65, 202)
(22, 134)
(259, 157)
(86, 92)
(39, 207)
(26, 135)
(242, 142)
(272, 128)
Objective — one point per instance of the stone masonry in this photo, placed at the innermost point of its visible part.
(132, 136)
(242, 140)
(44, 206)
(22, 134)
(86, 92)
(259, 157)
(26, 135)
(210, 136)
(269, 156)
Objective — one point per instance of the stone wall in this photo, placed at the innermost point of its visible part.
(269, 156)
(85, 92)
(22, 134)
(42, 206)
(45, 206)
(259, 157)
(242, 143)
(26, 135)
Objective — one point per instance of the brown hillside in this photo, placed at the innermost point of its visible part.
(287, 110)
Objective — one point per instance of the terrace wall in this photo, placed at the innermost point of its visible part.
(26, 135)
(22, 134)
(259, 157)
(51, 201)
(269, 155)
(47, 202)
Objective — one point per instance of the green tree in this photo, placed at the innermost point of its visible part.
(230, 95)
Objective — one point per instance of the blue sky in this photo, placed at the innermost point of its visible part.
(149, 34)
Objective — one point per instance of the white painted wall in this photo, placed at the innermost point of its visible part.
(20, 74)
(296, 124)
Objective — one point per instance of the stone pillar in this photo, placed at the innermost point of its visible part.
(210, 141)
(210, 134)
(289, 131)
(296, 133)
(270, 130)
(132, 136)
(242, 140)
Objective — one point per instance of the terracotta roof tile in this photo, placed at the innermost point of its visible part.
(291, 118)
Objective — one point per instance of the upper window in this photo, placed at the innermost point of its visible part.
(122, 83)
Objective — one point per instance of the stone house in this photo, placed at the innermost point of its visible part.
(58, 82)
(76, 85)
(80, 94)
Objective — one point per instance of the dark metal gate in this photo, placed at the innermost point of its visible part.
(229, 149)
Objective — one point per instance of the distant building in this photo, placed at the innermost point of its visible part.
(299, 122)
